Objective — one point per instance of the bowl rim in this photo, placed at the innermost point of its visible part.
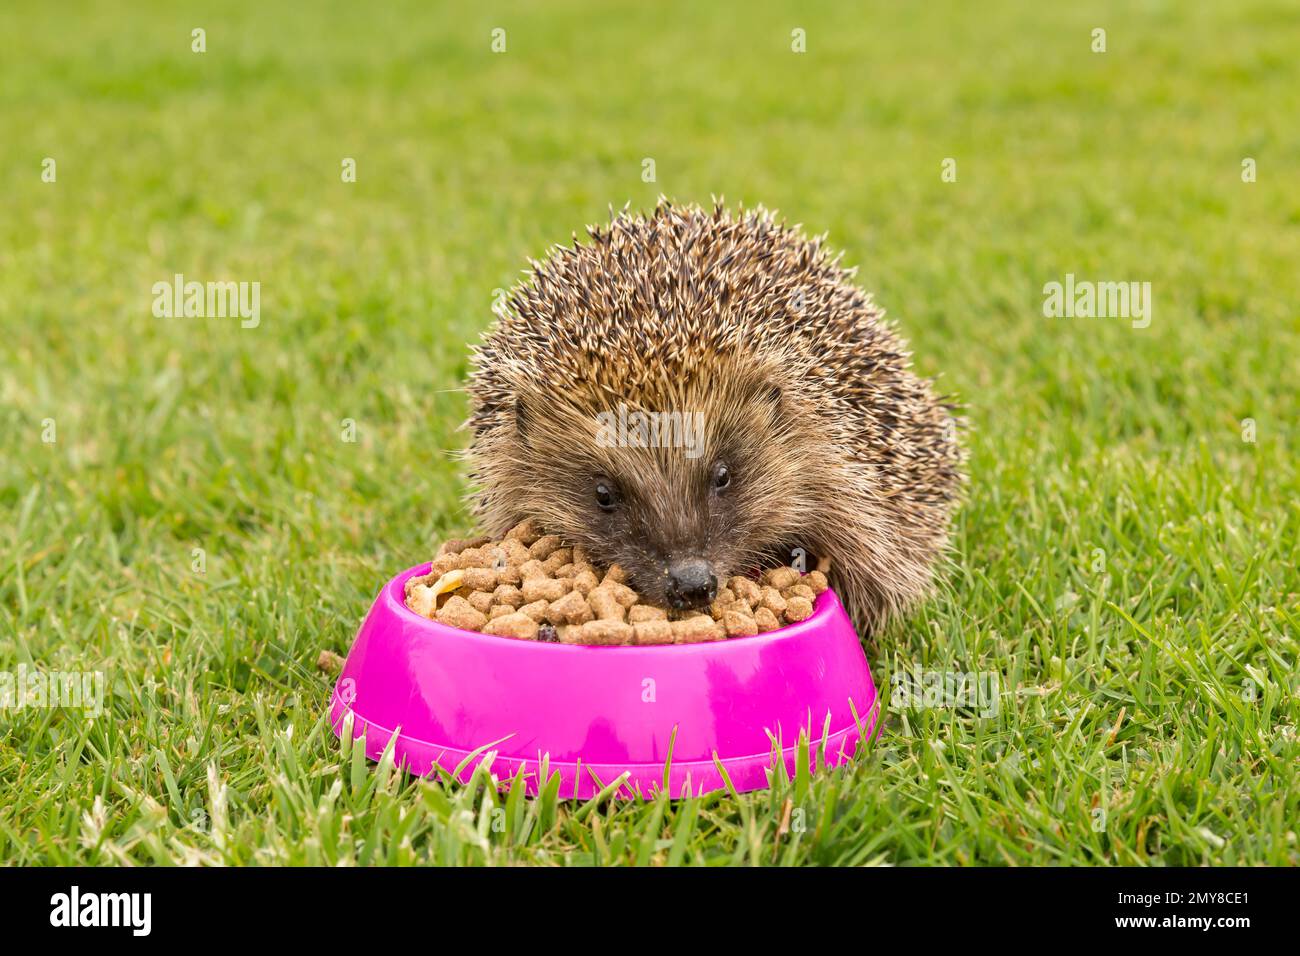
(824, 608)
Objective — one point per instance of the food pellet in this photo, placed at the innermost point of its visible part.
(652, 632)
(738, 625)
(606, 632)
(780, 578)
(513, 625)
(557, 560)
(641, 613)
(422, 600)
(531, 585)
(773, 601)
(536, 610)
(544, 547)
(570, 609)
(526, 531)
(605, 605)
(798, 609)
(458, 612)
(532, 568)
(745, 589)
(544, 589)
(695, 630)
(508, 594)
(480, 579)
(457, 545)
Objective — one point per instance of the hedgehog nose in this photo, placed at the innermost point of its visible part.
(691, 583)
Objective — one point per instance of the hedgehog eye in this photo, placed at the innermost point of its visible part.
(606, 497)
(721, 476)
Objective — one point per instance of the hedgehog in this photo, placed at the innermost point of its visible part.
(787, 424)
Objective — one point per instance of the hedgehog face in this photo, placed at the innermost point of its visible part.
(682, 490)
(670, 523)
(855, 460)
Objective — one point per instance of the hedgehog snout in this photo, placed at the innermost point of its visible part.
(690, 583)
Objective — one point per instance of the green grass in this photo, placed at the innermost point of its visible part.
(1127, 563)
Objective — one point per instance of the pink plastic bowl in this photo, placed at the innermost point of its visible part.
(598, 712)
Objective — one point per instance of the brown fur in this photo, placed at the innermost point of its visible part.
(833, 443)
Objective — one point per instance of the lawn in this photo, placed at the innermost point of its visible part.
(195, 509)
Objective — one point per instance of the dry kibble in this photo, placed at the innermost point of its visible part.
(557, 559)
(696, 630)
(570, 609)
(745, 589)
(722, 603)
(515, 625)
(623, 594)
(508, 594)
(441, 565)
(458, 612)
(585, 582)
(536, 610)
(606, 632)
(526, 531)
(530, 586)
(738, 625)
(639, 613)
(329, 662)
(652, 631)
(514, 550)
(605, 605)
(544, 589)
(480, 579)
(419, 581)
(781, 578)
(422, 600)
(798, 609)
(740, 607)
(532, 568)
(773, 601)
(457, 545)
(544, 547)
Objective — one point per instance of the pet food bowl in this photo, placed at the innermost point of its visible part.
(675, 717)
